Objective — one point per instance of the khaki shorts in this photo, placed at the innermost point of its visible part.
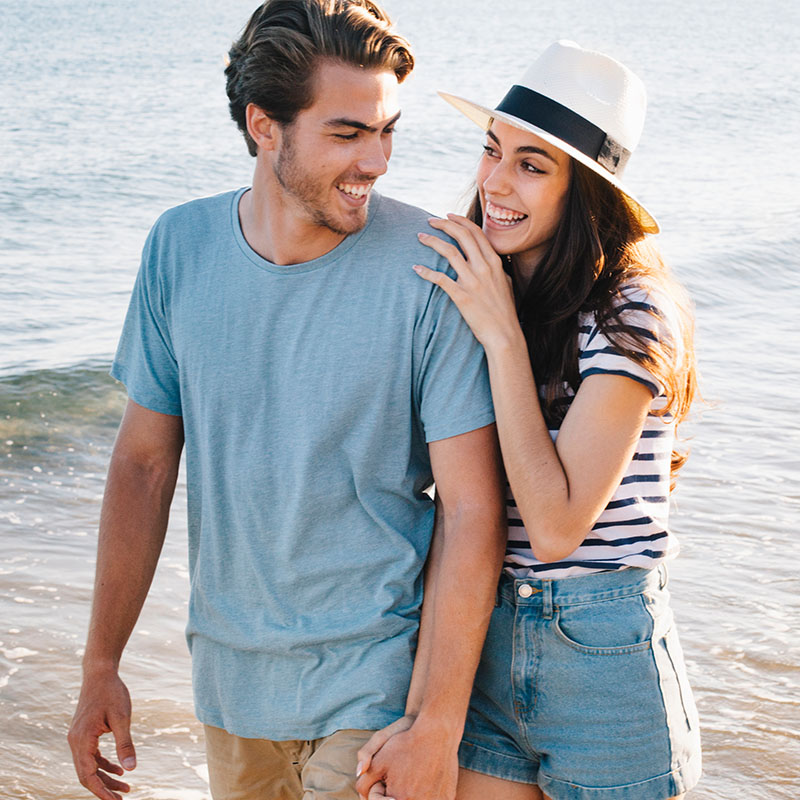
(260, 769)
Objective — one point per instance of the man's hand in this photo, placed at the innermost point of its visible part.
(420, 763)
(379, 739)
(104, 707)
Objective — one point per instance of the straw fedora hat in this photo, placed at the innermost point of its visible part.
(582, 102)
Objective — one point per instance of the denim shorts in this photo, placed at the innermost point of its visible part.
(582, 690)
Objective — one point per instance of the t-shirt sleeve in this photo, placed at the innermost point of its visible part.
(145, 360)
(453, 384)
(651, 321)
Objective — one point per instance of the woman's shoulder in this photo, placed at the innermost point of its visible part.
(639, 332)
(651, 311)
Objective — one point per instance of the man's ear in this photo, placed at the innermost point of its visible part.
(263, 129)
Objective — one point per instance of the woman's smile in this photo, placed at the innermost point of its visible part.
(503, 217)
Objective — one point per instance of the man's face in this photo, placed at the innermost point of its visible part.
(334, 151)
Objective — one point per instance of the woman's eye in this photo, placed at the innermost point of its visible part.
(528, 167)
(489, 151)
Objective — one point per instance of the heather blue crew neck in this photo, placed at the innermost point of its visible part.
(308, 266)
(307, 404)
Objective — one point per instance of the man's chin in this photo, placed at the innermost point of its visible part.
(358, 220)
(346, 224)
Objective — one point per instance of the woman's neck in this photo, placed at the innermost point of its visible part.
(523, 266)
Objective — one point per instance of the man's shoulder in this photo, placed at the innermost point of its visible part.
(394, 232)
(196, 215)
(401, 216)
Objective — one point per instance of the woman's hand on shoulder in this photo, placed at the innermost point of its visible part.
(483, 292)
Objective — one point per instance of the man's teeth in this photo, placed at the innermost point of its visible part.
(354, 189)
(504, 216)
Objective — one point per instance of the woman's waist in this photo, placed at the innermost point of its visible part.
(586, 588)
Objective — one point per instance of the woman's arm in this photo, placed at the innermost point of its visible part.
(561, 488)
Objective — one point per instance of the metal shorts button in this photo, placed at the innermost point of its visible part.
(525, 590)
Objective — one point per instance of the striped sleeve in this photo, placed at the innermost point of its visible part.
(598, 355)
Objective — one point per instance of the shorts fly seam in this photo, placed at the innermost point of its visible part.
(513, 675)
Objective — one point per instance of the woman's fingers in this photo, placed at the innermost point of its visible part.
(378, 792)
(441, 280)
(480, 237)
(470, 238)
(378, 740)
(446, 249)
(464, 237)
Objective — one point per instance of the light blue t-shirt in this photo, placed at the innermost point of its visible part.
(308, 394)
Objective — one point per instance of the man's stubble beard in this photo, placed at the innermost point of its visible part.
(302, 188)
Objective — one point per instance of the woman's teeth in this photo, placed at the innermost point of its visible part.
(503, 216)
(354, 189)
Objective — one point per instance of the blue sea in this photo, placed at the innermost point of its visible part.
(111, 112)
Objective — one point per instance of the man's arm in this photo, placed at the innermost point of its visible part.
(139, 489)
(419, 678)
(421, 762)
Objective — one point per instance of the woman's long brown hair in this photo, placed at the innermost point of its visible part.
(600, 249)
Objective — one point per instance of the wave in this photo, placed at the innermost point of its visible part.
(760, 275)
(51, 408)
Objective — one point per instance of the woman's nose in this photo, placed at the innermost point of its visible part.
(498, 180)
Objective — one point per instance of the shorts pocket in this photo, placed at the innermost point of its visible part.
(607, 627)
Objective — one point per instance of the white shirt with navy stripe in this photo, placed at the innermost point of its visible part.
(632, 530)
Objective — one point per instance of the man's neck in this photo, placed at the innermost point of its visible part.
(275, 227)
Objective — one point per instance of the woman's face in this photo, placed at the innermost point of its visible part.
(522, 183)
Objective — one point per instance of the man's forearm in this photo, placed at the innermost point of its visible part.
(425, 637)
(418, 758)
(465, 582)
(132, 527)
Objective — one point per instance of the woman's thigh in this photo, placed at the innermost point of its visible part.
(476, 786)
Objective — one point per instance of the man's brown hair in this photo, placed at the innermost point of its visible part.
(273, 62)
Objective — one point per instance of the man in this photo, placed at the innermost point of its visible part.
(318, 386)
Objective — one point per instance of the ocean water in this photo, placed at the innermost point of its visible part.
(110, 113)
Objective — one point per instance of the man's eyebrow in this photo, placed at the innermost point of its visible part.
(344, 122)
(525, 148)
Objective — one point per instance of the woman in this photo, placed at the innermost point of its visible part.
(581, 692)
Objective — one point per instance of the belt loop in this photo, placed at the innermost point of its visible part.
(664, 575)
(547, 599)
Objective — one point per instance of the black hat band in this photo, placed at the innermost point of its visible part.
(565, 124)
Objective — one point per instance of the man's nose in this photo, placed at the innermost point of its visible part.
(375, 158)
